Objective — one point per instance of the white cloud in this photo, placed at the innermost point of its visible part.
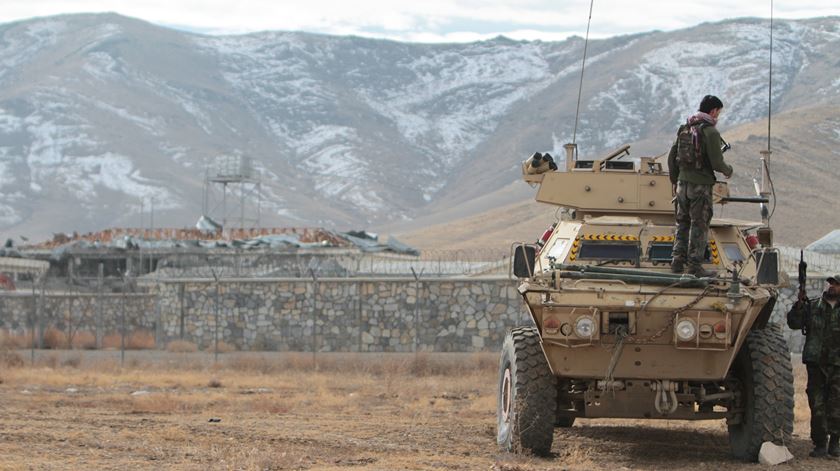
(427, 21)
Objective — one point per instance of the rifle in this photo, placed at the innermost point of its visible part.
(724, 146)
(802, 295)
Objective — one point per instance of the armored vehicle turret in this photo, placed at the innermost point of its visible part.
(615, 334)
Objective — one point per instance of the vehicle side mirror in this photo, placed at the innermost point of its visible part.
(523, 260)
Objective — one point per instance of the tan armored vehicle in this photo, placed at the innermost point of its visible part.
(617, 335)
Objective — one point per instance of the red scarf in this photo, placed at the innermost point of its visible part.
(699, 118)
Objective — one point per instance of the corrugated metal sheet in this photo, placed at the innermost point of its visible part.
(22, 265)
(828, 244)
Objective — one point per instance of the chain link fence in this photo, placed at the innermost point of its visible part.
(375, 302)
(221, 302)
(53, 313)
(336, 263)
(817, 262)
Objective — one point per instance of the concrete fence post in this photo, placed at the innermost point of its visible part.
(98, 312)
(39, 314)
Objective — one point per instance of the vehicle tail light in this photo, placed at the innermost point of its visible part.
(720, 330)
(551, 325)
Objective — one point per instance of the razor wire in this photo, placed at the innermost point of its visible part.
(818, 263)
(331, 264)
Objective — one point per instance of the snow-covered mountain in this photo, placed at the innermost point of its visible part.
(101, 112)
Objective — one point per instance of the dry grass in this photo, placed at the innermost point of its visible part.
(136, 340)
(112, 341)
(181, 346)
(15, 340)
(221, 347)
(278, 412)
(10, 359)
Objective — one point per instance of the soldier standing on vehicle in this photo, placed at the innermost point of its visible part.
(694, 158)
(819, 320)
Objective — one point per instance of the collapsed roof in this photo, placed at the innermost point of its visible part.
(284, 239)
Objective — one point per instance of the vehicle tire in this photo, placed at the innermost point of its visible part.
(763, 370)
(527, 400)
(564, 422)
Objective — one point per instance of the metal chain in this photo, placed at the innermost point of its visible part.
(660, 332)
(621, 333)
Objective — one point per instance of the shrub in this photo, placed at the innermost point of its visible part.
(10, 359)
(84, 340)
(181, 346)
(14, 341)
(112, 341)
(137, 340)
(140, 340)
(54, 338)
(223, 347)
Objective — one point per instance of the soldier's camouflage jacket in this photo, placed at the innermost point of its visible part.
(822, 342)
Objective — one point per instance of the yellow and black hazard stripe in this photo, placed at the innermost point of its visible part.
(575, 247)
(610, 237)
(714, 249)
(668, 238)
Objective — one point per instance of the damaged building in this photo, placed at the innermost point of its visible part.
(267, 252)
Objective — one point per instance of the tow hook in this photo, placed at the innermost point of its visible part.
(665, 399)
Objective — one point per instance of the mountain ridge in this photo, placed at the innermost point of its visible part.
(101, 113)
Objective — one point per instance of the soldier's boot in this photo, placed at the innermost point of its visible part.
(820, 450)
(834, 446)
(677, 266)
(701, 272)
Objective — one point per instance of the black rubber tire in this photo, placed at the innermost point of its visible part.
(564, 422)
(763, 369)
(527, 397)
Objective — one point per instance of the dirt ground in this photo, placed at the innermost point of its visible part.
(73, 410)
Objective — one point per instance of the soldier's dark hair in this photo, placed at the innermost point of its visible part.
(709, 102)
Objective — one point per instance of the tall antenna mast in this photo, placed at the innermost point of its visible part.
(766, 190)
(582, 67)
(571, 148)
(770, 83)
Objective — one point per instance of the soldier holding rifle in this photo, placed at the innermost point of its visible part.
(819, 319)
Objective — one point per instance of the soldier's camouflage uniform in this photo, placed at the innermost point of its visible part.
(694, 198)
(821, 356)
(694, 213)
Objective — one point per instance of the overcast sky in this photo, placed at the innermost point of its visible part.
(426, 20)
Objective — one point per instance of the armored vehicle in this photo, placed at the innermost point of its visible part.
(615, 334)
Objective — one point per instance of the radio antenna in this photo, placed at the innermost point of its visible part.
(582, 67)
(766, 188)
(770, 82)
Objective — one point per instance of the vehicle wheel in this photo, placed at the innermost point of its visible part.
(527, 401)
(763, 371)
(564, 422)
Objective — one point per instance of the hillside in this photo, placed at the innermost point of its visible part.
(102, 116)
(803, 173)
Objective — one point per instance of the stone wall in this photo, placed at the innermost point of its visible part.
(352, 315)
(294, 314)
(99, 314)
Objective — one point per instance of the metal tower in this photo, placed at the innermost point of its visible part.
(228, 177)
